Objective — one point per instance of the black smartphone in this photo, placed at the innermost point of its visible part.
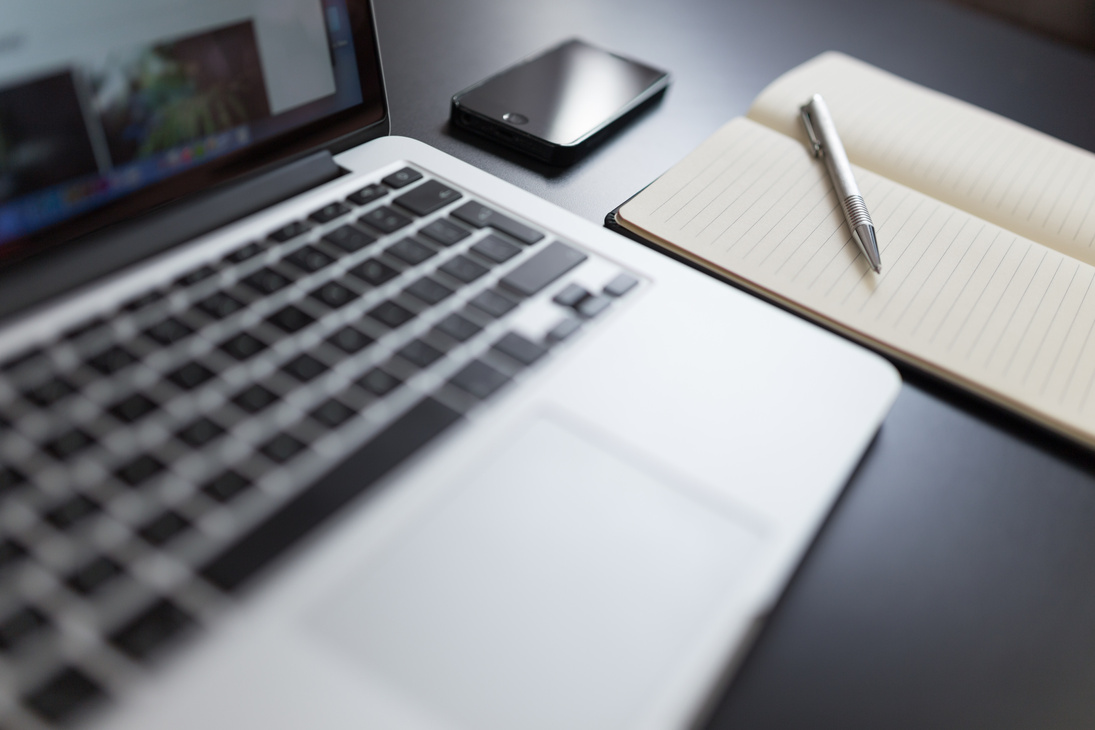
(558, 105)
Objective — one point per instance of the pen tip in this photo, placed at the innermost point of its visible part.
(864, 234)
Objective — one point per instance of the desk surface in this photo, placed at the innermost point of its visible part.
(953, 585)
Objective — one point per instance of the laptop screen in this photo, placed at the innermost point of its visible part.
(108, 107)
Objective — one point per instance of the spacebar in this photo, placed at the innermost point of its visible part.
(241, 561)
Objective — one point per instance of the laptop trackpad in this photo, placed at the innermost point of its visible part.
(553, 589)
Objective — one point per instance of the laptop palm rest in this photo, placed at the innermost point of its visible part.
(556, 588)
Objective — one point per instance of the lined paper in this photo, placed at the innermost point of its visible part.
(957, 295)
(988, 165)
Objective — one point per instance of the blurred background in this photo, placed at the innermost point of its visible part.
(1072, 21)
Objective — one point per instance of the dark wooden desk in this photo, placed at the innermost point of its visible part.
(954, 585)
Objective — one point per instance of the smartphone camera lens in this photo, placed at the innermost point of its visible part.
(514, 118)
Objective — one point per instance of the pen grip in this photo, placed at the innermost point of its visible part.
(855, 212)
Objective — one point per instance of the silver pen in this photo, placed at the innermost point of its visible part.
(826, 143)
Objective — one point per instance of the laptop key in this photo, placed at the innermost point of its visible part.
(367, 194)
(49, 392)
(402, 178)
(492, 303)
(391, 314)
(428, 290)
(111, 360)
(139, 470)
(445, 232)
(543, 268)
(152, 630)
(332, 413)
(350, 340)
(200, 432)
(190, 376)
(144, 300)
(391, 447)
(199, 274)
(242, 291)
(133, 408)
(64, 696)
(11, 553)
(479, 379)
(291, 319)
(334, 295)
(385, 219)
(71, 512)
(20, 360)
(290, 231)
(520, 348)
(164, 528)
(378, 382)
(282, 448)
(168, 332)
(349, 238)
(463, 269)
(459, 328)
(84, 328)
(329, 212)
(20, 626)
(266, 281)
(304, 368)
(243, 346)
(570, 296)
(219, 305)
(480, 216)
(64, 446)
(592, 306)
(420, 354)
(254, 399)
(243, 253)
(427, 198)
(475, 214)
(411, 251)
(227, 486)
(374, 272)
(496, 249)
(91, 578)
(620, 285)
(309, 259)
(563, 330)
(10, 478)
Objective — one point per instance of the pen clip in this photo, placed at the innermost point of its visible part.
(808, 122)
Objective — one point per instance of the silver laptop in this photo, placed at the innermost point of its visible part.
(304, 425)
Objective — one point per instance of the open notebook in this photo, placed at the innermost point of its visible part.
(986, 230)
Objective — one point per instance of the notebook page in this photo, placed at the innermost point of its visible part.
(960, 296)
(999, 170)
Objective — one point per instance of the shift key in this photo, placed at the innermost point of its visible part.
(543, 268)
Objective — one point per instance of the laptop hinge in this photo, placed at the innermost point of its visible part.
(83, 261)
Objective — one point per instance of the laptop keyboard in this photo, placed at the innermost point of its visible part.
(155, 457)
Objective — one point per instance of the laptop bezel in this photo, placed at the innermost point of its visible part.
(333, 133)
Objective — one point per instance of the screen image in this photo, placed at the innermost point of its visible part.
(103, 98)
(42, 145)
(161, 97)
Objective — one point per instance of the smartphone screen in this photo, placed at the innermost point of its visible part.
(565, 94)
